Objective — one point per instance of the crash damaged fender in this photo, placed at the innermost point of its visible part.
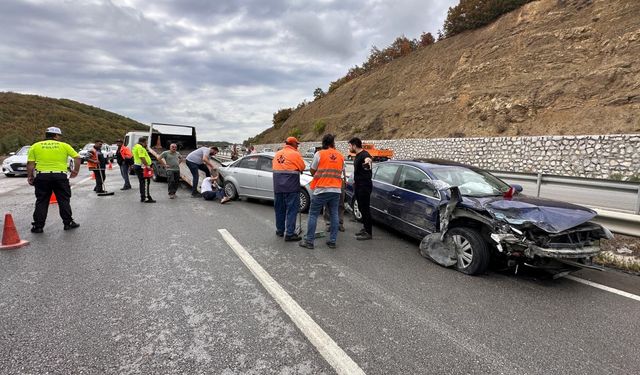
(433, 245)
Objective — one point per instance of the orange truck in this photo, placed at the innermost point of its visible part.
(376, 154)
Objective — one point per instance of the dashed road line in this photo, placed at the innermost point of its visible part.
(604, 287)
(332, 353)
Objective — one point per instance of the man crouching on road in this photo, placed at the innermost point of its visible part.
(200, 160)
(48, 159)
(287, 165)
(211, 190)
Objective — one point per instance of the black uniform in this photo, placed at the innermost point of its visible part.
(362, 188)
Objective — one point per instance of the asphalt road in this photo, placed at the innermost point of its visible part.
(154, 288)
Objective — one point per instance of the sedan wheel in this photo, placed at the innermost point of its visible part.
(304, 201)
(230, 190)
(356, 211)
(471, 250)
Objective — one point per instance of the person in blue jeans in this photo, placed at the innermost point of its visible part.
(287, 165)
(327, 169)
(200, 160)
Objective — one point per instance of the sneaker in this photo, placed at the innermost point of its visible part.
(361, 231)
(292, 238)
(172, 196)
(279, 234)
(71, 225)
(305, 244)
(331, 245)
(35, 229)
(363, 237)
(150, 200)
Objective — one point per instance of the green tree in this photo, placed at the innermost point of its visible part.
(472, 14)
(295, 132)
(281, 116)
(318, 93)
(319, 126)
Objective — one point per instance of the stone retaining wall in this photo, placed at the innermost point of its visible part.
(614, 156)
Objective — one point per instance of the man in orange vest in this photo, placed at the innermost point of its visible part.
(326, 168)
(98, 164)
(287, 165)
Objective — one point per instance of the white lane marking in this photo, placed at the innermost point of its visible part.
(80, 182)
(604, 287)
(332, 353)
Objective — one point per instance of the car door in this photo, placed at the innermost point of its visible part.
(264, 176)
(383, 179)
(246, 175)
(414, 203)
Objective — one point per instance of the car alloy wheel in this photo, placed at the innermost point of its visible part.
(463, 250)
(471, 250)
(304, 201)
(356, 210)
(230, 190)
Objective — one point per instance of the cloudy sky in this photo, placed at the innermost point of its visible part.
(224, 66)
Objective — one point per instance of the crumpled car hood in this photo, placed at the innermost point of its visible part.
(548, 215)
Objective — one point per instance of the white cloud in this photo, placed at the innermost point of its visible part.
(224, 66)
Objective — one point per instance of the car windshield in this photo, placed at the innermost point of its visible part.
(23, 151)
(88, 146)
(471, 182)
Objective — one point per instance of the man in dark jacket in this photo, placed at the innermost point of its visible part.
(125, 162)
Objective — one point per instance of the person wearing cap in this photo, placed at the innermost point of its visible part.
(142, 160)
(287, 165)
(124, 158)
(47, 172)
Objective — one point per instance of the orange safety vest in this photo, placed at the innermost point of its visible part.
(329, 172)
(94, 161)
(288, 159)
(125, 152)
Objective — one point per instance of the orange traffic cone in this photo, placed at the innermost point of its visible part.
(110, 167)
(53, 199)
(10, 237)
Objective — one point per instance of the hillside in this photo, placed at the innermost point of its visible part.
(23, 119)
(550, 67)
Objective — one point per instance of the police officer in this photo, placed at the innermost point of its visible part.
(287, 165)
(47, 172)
(142, 160)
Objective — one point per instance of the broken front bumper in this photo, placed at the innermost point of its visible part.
(584, 252)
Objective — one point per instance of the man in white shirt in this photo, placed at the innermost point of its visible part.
(211, 190)
(200, 160)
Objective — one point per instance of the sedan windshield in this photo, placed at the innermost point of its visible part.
(471, 182)
(23, 151)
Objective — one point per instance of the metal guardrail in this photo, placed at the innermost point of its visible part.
(619, 222)
(607, 185)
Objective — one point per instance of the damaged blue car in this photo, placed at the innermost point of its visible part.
(468, 218)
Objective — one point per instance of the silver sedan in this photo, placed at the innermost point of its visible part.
(252, 177)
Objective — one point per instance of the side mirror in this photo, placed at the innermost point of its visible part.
(517, 187)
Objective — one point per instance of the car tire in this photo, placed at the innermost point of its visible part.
(472, 251)
(356, 210)
(230, 190)
(156, 177)
(305, 201)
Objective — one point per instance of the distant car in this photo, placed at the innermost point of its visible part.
(106, 152)
(267, 149)
(310, 153)
(16, 163)
(467, 217)
(252, 177)
(114, 151)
